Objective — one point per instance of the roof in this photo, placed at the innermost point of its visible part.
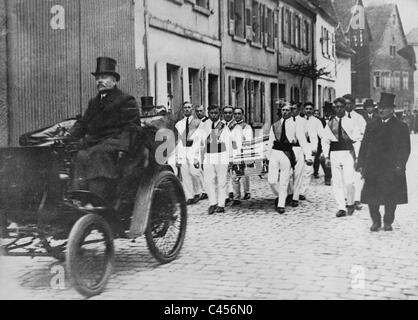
(343, 11)
(378, 16)
(328, 9)
(412, 37)
(342, 45)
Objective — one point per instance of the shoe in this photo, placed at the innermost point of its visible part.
(357, 205)
(227, 201)
(190, 201)
(289, 199)
(196, 198)
(295, 203)
(280, 210)
(350, 210)
(316, 176)
(375, 227)
(212, 209)
(276, 202)
(231, 195)
(341, 213)
(236, 202)
(220, 209)
(302, 197)
(387, 227)
(247, 196)
(203, 196)
(328, 182)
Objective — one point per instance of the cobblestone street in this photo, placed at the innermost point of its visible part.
(251, 252)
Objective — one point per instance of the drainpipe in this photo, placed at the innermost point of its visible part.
(146, 51)
(221, 53)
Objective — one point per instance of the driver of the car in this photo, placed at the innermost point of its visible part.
(105, 130)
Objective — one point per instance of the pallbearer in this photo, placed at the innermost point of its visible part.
(281, 156)
(247, 135)
(340, 144)
(188, 153)
(217, 152)
(201, 115)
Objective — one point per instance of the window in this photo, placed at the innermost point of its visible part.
(239, 18)
(213, 89)
(256, 22)
(328, 42)
(376, 79)
(323, 39)
(392, 50)
(288, 26)
(397, 80)
(405, 80)
(333, 45)
(174, 88)
(297, 32)
(385, 80)
(194, 86)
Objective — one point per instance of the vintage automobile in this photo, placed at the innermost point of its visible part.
(41, 215)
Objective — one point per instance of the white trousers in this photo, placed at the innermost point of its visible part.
(190, 177)
(358, 186)
(279, 175)
(236, 183)
(201, 181)
(342, 169)
(296, 185)
(216, 183)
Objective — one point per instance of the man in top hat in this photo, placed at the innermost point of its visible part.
(361, 125)
(370, 114)
(105, 128)
(217, 155)
(340, 145)
(382, 161)
(327, 109)
(188, 153)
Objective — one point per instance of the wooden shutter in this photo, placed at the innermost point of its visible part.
(266, 27)
(283, 26)
(248, 20)
(232, 91)
(262, 102)
(255, 23)
(231, 15)
(275, 29)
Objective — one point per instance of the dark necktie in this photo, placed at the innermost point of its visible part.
(187, 127)
(349, 115)
(294, 118)
(307, 118)
(340, 130)
(213, 125)
(283, 136)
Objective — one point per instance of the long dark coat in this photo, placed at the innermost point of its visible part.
(385, 147)
(106, 127)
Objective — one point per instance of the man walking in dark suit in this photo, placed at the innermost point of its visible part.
(370, 114)
(382, 160)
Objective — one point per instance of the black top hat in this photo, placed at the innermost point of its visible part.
(106, 65)
(368, 103)
(147, 103)
(387, 100)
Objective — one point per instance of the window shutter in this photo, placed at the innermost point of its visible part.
(275, 28)
(293, 27)
(232, 90)
(262, 102)
(265, 29)
(248, 20)
(231, 11)
(252, 103)
(283, 27)
(161, 84)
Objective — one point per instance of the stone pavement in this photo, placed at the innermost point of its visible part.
(251, 252)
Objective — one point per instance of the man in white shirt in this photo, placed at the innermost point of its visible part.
(217, 154)
(361, 125)
(303, 154)
(340, 140)
(188, 153)
(281, 156)
(313, 131)
(201, 115)
(247, 135)
(236, 134)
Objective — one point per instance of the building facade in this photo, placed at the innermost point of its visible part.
(412, 39)
(296, 51)
(182, 51)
